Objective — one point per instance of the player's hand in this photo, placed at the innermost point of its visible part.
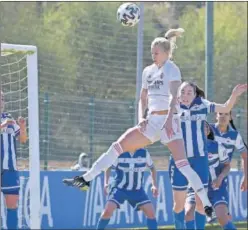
(21, 121)
(142, 125)
(7, 122)
(217, 183)
(243, 185)
(168, 127)
(239, 90)
(106, 187)
(154, 191)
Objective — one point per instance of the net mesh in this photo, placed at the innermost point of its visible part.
(14, 86)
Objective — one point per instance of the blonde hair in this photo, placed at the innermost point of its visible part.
(168, 42)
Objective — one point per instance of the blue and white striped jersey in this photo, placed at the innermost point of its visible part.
(217, 156)
(8, 144)
(230, 140)
(129, 169)
(192, 122)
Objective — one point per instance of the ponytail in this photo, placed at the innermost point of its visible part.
(171, 35)
(210, 136)
(198, 91)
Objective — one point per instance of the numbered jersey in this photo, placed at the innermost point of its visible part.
(217, 157)
(231, 140)
(129, 169)
(8, 144)
(156, 81)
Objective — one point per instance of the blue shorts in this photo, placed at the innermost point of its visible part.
(179, 181)
(10, 184)
(136, 198)
(219, 196)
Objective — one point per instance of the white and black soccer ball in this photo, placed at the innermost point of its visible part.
(128, 14)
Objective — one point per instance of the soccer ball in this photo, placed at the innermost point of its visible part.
(128, 14)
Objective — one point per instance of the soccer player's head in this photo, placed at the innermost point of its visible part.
(162, 47)
(83, 160)
(224, 119)
(2, 101)
(188, 91)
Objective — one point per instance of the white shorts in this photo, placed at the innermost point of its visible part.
(153, 129)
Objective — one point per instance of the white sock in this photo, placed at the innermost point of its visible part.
(104, 161)
(194, 180)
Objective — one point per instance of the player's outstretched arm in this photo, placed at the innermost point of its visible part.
(237, 91)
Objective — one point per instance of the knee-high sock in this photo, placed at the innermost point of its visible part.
(102, 223)
(12, 219)
(179, 220)
(104, 161)
(194, 180)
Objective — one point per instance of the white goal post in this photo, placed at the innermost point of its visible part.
(30, 53)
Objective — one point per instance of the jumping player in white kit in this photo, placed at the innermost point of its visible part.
(160, 82)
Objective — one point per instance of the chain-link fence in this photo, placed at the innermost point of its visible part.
(87, 67)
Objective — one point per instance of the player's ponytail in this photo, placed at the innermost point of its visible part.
(210, 135)
(199, 92)
(171, 35)
(168, 42)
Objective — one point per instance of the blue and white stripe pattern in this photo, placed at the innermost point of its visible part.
(231, 140)
(8, 144)
(192, 122)
(130, 169)
(217, 157)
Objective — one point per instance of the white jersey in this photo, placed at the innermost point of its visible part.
(157, 81)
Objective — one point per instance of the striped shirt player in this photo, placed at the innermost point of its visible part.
(128, 181)
(192, 123)
(10, 177)
(217, 159)
(231, 140)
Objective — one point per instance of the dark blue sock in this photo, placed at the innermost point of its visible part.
(200, 221)
(152, 224)
(102, 223)
(229, 226)
(179, 220)
(190, 224)
(12, 219)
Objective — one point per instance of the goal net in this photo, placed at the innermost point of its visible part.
(19, 83)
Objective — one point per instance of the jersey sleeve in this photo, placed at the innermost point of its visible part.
(144, 79)
(149, 161)
(209, 105)
(114, 165)
(239, 144)
(175, 73)
(223, 154)
(17, 129)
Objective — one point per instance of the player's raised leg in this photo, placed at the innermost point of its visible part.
(125, 143)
